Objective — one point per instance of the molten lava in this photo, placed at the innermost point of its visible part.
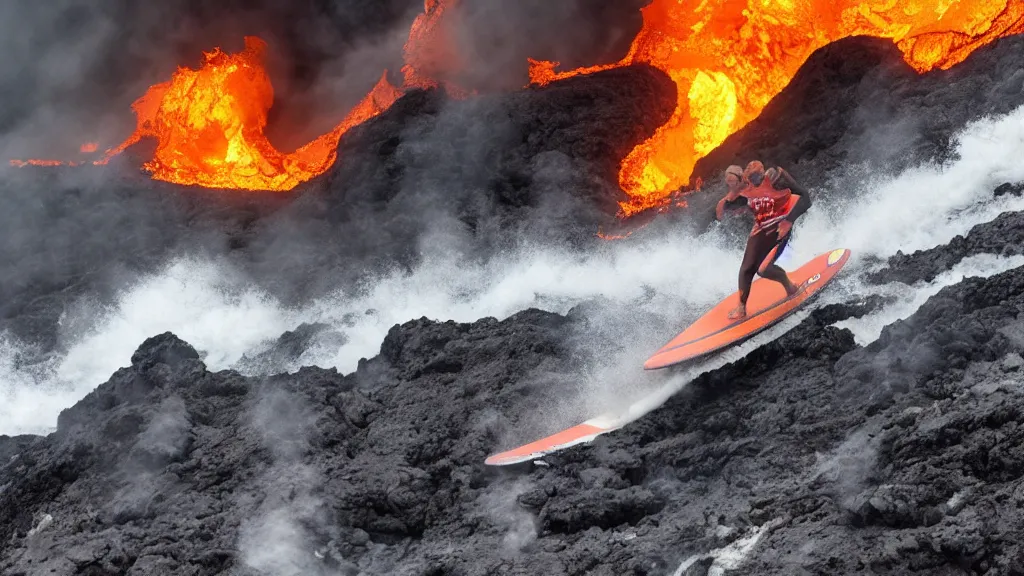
(209, 124)
(427, 51)
(728, 59)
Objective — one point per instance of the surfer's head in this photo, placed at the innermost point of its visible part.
(754, 172)
(734, 177)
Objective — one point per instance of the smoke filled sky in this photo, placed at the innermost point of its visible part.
(73, 67)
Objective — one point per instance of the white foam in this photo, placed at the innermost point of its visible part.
(201, 301)
(868, 328)
(673, 277)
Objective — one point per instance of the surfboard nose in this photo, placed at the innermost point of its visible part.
(652, 363)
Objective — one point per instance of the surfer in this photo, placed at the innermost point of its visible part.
(769, 194)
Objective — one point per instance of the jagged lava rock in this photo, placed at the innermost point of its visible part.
(1004, 236)
(912, 442)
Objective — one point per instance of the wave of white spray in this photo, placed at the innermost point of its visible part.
(201, 301)
(673, 277)
(905, 302)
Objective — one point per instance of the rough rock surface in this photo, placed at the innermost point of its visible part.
(287, 351)
(1004, 236)
(810, 455)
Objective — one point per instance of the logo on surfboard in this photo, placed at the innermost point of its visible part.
(814, 279)
(834, 256)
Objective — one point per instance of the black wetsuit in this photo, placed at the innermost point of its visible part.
(764, 245)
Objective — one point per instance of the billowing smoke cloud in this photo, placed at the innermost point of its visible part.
(278, 538)
(850, 467)
(492, 40)
(500, 505)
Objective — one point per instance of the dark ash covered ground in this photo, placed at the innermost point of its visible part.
(903, 457)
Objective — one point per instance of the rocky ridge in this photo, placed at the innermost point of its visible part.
(901, 457)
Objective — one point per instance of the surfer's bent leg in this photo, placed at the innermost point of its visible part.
(763, 249)
(772, 271)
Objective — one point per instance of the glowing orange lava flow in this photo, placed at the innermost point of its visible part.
(728, 59)
(431, 57)
(209, 122)
(209, 126)
(426, 51)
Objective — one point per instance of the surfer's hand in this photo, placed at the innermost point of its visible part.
(784, 228)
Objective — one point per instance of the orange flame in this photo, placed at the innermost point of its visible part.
(209, 122)
(729, 58)
(209, 126)
(89, 147)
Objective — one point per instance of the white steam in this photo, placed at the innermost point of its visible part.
(728, 557)
(671, 279)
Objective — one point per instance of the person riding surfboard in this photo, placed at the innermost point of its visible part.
(777, 200)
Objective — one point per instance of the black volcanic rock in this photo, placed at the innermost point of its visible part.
(1003, 236)
(223, 459)
(903, 456)
(501, 147)
(1008, 188)
(290, 347)
(475, 175)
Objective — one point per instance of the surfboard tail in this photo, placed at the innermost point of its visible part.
(579, 434)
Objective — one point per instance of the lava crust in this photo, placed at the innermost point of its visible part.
(902, 457)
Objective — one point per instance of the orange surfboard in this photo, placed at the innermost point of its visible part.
(766, 305)
(579, 434)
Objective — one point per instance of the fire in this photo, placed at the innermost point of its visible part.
(209, 122)
(729, 58)
(209, 126)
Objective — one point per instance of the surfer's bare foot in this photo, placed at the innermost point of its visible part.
(791, 289)
(738, 312)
